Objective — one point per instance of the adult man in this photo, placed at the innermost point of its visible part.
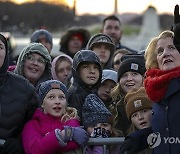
(112, 27)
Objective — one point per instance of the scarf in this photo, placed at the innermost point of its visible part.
(157, 81)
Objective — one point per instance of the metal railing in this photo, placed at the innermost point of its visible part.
(104, 142)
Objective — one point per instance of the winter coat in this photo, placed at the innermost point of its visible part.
(18, 102)
(41, 50)
(67, 35)
(39, 137)
(79, 89)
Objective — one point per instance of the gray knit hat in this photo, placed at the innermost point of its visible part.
(94, 111)
(46, 86)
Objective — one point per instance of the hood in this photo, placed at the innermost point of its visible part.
(102, 39)
(4, 67)
(39, 49)
(67, 35)
(85, 56)
(55, 60)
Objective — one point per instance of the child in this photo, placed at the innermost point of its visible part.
(54, 127)
(139, 112)
(108, 82)
(104, 47)
(87, 73)
(96, 120)
(62, 69)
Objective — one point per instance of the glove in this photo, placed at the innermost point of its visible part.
(77, 134)
(13, 146)
(128, 146)
(176, 27)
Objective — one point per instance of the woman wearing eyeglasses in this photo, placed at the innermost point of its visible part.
(34, 63)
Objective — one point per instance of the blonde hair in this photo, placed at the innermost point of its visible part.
(70, 113)
(150, 52)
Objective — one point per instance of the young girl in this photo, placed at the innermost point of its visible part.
(62, 69)
(54, 127)
(97, 120)
(139, 112)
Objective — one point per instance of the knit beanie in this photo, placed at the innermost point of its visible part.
(46, 86)
(94, 111)
(133, 63)
(136, 101)
(99, 39)
(109, 75)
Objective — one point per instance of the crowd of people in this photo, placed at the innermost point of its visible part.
(95, 88)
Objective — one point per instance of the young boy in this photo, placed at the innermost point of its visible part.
(87, 73)
(104, 47)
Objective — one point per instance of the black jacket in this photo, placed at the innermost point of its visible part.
(18, 101)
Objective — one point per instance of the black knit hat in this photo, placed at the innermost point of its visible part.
(46, 86)
(94, 111)
(132, 62)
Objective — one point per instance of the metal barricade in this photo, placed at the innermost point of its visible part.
(104, 142)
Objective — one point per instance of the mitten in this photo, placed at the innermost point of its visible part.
(76, 134)
(128, 146)
(13, 146)
(176, 27)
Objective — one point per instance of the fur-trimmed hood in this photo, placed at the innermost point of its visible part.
(67, 35)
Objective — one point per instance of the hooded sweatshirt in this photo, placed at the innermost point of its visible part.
(41, 50)
(79, 89)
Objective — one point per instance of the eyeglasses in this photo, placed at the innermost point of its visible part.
(117, 62)
(33, 59)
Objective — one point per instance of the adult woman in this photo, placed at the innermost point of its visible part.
(163, 88)
(130, 76)
(34, 63)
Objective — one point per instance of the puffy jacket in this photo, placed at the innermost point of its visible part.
(18, 101)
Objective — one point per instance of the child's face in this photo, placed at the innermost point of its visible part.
(103, 52)
(105, 89)
(131, 80)
(142, 119)
(64, 69)
(54, 103)
(106, 126)
(89, 73)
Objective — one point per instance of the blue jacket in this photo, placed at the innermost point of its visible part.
(166, 119)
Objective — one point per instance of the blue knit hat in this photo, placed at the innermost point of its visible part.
(94, 111)
(46, 86)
